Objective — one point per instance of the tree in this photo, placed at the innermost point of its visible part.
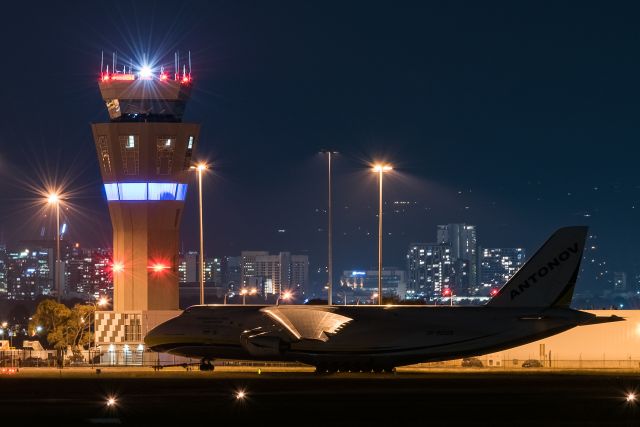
(64, 326)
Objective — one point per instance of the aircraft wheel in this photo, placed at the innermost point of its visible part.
(206, 365)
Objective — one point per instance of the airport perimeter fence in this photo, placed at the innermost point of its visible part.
(511, 364)
(101, 358)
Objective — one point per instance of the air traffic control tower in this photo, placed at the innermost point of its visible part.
(145, 153)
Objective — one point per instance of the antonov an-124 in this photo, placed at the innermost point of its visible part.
(532, 305)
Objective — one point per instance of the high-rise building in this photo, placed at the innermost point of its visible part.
(430, 270)
(213, 271)
(497, 265)
(299, 281)
(249, 266)
(188, 269)
(89, 272)
(4, 289)
(29, 273)
(145, 154)
(273, 274)
(364, 284)
(462, 239)
(231, 272)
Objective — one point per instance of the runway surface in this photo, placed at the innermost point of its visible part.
(298, 397)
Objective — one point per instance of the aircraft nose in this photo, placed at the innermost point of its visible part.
(154, 337)
(159, 337)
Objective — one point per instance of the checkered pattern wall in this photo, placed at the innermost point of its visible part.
(113, 328)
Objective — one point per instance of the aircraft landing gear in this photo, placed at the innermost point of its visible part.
(205, 365)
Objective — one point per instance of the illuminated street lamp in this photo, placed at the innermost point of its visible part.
(54, 199)
(380, 169)
(244, 292)
(285, 296)
(329, 153)
(201, 167)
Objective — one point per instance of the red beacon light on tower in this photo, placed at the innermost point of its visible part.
(158, 267)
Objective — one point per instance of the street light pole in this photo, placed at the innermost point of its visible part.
(330, 229)
(54, 198)
(59, 291)
(201, 238)
(380, 169)
(200, 168)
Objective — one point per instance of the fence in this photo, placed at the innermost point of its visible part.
(94, 358)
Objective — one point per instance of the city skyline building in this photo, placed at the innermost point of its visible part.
(497, 265)
(363, 284)
(274, 273)
(430, 270)
(463, 240)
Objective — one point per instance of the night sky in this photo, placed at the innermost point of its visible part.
(518, 117)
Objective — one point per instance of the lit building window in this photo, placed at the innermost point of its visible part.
(188, 154)
(130, 154)
(103, 152)
(164, 155)
(142, 191)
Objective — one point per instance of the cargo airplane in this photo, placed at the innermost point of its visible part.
(532, 305)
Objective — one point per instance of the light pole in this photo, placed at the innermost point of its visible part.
(286, 296)
(380, 169)
(54, 198)
(330, 228)
(201, 167)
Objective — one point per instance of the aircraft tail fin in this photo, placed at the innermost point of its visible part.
(549, 277)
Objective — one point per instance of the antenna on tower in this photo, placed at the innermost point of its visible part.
(189, 64)
(101, 61)
(113, 62)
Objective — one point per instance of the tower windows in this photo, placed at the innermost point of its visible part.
(103, 153)
(189, 153)
(164, 155)
(129, 146)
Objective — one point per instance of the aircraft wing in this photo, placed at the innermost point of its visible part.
(307, 322)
